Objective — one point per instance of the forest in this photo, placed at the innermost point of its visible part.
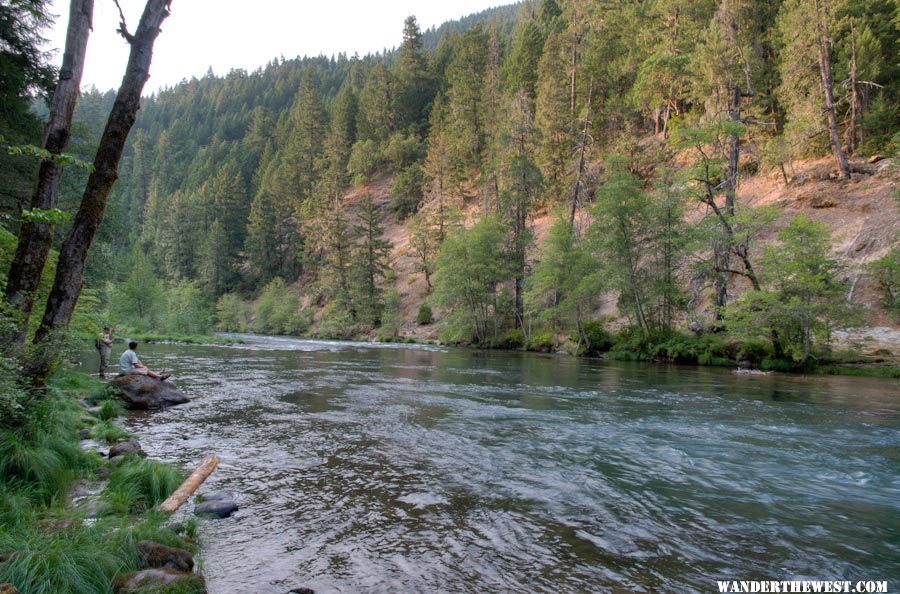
(556, 175)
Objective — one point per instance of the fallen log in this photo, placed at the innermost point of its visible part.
(190, 485)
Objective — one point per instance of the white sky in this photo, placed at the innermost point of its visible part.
(228, 34)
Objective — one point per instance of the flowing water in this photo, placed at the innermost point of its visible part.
(364, 468)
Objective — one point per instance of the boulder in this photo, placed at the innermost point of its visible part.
(142, 392)
(126, 447)
(153, 579)
(155, 555)
(221, 508)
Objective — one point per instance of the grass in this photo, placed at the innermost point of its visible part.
(109, 432)
(42, 554)
(138, 485)
(184, 338)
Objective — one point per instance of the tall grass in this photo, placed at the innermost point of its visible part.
(138, 485)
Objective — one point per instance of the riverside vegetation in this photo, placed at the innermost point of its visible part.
(546, 175)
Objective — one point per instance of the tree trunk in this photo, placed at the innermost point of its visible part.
(824, 46)
(854, 93)
(73, 255)
(191, 484)
(35, 239)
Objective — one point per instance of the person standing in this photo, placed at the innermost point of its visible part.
(104, 348)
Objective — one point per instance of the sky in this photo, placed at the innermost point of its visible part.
(227, 34)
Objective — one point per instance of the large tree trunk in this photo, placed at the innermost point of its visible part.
(73, 255)
(823, 40)
(35, 239)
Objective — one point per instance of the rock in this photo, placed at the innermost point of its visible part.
(157, 579)
(215, 496)
(125, 447)
(155, 555)
(141, 392)
(84, 434)
(302, 591)
(221, 508)
(102, 472)
(8, 589)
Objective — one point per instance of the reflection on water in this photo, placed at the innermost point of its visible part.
(414, 469)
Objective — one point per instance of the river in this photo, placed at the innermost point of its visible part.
(386, 468)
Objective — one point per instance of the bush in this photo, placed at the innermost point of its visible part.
(276, 309)
(887, 272)
(402, 151)
(406, 191)
(390, 315)
(187, 310)
(753, 351)
(512, 339)
(541, 342)
(425, 316)
(598, 339)
(232, 314)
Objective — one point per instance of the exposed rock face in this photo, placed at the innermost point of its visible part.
(155, 578)
(125, 447)
(155, 555)
(141, 392)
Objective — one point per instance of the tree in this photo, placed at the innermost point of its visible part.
(522, 184)
(371, 262)
(552, 117)
(469, 273)
(466, 122)
(73, 255)
(35, 238)
(414, 88)
(803, 298)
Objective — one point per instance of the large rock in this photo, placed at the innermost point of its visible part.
(142, 392)
(220, 504)
(126, 447)
(155, 555)
(153, 579)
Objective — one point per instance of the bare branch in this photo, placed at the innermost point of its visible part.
(123, 26)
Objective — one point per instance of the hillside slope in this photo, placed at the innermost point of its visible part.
(863, 215)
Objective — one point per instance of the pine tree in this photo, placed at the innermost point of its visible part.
(371, 262)
(466, 78)
(414, 88)
(553, 118)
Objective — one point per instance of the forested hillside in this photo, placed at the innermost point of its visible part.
(542, 175)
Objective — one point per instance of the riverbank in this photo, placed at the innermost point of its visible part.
(73, 519)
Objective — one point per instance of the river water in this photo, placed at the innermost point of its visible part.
(380, 468)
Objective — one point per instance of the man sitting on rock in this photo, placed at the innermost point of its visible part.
(130, 364)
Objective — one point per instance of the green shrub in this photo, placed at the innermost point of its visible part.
(887, 272)
(512, 339)
(364, 161)
(187, 310)
(753, 351)
(232, 314)
(542, 342)
(425, 315)
(390, 314)
(276, 309)
(598, 339)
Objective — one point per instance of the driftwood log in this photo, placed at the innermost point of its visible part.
(187, 488)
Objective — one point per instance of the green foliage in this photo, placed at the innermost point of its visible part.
(139, 299)
(111, 409)
(887, 272)
(470, 268)
(511, 339)
(805, 301)
(597, 339)
(187, 310)
(541, 342)
(364, 161)
(232, 314)
(137, 485)
(391, 320)
(406, 190)
(276, 309)
(425, 316)
(109, 432)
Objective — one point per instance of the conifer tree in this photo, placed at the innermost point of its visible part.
(414, 88)
(371, 262)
